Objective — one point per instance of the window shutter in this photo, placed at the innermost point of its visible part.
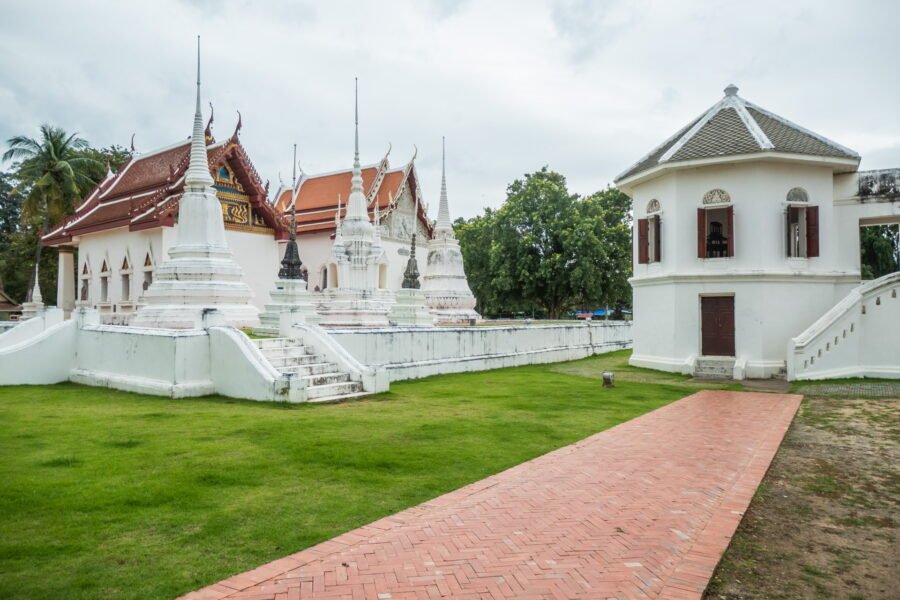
(730, 231)
(643, 258)
(786, 221)
(812, 231)
(657, 251)
(701, 233)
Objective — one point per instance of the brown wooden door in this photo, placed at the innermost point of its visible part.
(717, 325)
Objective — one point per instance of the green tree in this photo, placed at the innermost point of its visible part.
(547, 250)
(53, 172)
(880, 250)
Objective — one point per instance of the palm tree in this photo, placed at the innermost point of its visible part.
(53, 173)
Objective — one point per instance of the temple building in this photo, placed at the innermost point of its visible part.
(747, 252)
(321, 200)
(127, 224)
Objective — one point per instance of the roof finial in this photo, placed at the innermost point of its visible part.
(208, 132)
(443, 219)
(197, 177)
(731, 90)
(132, 143)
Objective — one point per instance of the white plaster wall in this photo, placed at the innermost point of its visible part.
(410, 353)
(45, 358)
(758, 191)
(25, 330)
(259, 257)
(768, 312)
(112, 246)
(160, 362)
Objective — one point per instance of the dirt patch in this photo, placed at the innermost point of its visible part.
(824, 522)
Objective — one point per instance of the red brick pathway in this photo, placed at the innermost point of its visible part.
(643, 510)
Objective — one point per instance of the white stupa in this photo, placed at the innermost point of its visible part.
(357, 298)
(35, 306)
(446, 288)
(200, 274)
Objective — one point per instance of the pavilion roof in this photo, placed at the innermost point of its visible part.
(731, 127)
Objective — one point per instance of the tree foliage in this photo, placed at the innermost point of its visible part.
(48, 177)
(548, 250)
(880, 250)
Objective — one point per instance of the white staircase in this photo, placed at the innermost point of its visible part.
(714, 367)
(323, 380)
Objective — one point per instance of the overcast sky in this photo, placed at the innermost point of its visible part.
(586, 87)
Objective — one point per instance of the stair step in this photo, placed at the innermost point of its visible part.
(293, 361)
(318, 380)
(333, 389)
(286, 351)
(266, 343)
(714, 368)
(308, 369)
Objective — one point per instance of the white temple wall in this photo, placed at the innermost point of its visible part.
(768, 312)
(411, 353)
(113, 246)
(259, 257)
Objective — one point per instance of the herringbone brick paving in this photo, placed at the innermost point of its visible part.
(642, 510)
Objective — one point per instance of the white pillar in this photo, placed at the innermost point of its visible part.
(65, 280)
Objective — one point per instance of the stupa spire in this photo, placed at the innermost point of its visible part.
(356, 203)
(443, 218)
(197, 177)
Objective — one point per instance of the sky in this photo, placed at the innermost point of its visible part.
(584, 87)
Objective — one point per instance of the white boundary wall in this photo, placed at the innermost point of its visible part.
(414, 352)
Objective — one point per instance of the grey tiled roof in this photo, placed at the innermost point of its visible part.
(791, 139)
(733, 127)
(723, 135)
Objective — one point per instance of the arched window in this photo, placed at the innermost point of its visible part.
(801, 225)
(715, 225)
(650, 234)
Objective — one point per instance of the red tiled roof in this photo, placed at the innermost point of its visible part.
(146, 190)
(317, 197)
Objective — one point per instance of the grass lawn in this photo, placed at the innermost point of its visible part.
(106, 494)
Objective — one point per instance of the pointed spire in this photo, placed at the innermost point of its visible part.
(36, 297)
(198, 178)
(443, 218)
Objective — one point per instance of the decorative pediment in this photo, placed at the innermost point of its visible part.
(238, 210)
(653, 206)
(797, 194)
(716, 196)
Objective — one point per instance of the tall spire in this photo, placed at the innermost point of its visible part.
(443, 218)
(356, 219)
(198, 177)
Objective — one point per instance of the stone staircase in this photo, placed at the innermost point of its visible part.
(325, 382)
(714, 367)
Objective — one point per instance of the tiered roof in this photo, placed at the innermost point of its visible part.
(733, 126)
(317, 195)
(146, 190)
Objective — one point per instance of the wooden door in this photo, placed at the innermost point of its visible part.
(717, 325)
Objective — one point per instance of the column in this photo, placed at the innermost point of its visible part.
(65, 280)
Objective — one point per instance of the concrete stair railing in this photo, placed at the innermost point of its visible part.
(858, 337)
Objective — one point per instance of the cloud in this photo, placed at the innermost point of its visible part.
(585, 87)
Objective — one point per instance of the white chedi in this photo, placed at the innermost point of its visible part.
(200, 275)
(357, 261)
(446, 287)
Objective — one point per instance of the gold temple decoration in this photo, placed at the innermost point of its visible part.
(237, 211)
